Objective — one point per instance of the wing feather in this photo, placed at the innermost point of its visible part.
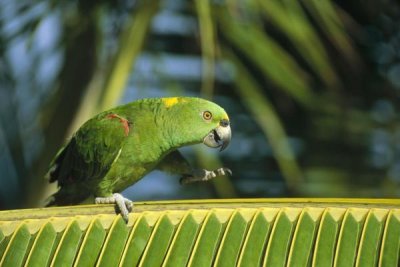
(91, 151)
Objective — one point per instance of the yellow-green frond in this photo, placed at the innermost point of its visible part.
(246, 232)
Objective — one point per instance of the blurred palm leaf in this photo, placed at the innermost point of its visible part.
(265, 53)
(274, 232)
(265, 115)
(107, 88)
(247, 28)
(254, 32)
(327, 15)
(207, 45)
(290, 18)
(130, 45)
(80, 50)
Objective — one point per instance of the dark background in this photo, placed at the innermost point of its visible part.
(312, 88)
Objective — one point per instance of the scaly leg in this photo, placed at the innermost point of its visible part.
(124, 205)
(204, 175)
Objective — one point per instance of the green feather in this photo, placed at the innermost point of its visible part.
(118, 147)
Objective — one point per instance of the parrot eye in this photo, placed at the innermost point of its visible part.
(207, 115)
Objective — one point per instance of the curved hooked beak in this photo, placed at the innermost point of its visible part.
(220, 136)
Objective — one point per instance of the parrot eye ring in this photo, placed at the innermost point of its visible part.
(207, 115)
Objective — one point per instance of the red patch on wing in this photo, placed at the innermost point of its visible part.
(125, 122)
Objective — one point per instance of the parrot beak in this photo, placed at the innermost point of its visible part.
(220, 136)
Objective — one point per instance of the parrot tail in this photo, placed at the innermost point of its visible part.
(55, 165)
(67, 195)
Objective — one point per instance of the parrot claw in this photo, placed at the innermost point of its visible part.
(204, 175)
(123, 205)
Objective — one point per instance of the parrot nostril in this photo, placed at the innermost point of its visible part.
(224, 123)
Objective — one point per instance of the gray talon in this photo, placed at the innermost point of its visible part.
(124, 205)
(204, 175)
(128, 204)
(224, 171)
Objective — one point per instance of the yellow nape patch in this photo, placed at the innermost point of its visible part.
(170, 101)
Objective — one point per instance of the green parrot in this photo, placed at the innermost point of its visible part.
(118, 147)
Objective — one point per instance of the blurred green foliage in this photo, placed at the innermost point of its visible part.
(312, 87)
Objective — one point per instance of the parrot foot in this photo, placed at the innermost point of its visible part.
(123, 205)
(204, 175)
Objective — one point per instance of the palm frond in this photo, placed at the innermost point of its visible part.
(247, 232)
(266, 117)
(130, 45)
(207, 46)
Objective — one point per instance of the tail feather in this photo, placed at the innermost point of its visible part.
(56, 164)
(68, 193)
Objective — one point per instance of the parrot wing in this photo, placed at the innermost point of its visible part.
(92, 150)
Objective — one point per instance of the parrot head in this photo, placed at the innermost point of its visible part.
(219, 136)
(204, 121)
